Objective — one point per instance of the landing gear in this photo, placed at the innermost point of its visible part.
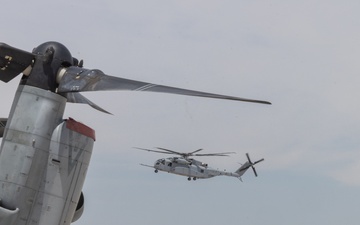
(156, 171)
(189, 178)
(194, 178)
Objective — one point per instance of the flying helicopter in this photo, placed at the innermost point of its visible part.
(44, 157)
(194, 169)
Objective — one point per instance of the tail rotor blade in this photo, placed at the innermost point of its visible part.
(254, 171)
(248, 157)
(258, 161)
(253, 164)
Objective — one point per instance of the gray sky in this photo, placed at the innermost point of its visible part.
(300, 55)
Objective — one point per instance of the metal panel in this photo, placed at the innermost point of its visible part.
(70, 153)
(8, 216)
(25, 149)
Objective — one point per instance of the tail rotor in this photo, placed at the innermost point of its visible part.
(253, 163)
(247, 165)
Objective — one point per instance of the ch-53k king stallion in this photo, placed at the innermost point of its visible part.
(192, 168)
(44, 157)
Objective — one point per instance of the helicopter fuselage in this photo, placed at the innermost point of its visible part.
(190, 168)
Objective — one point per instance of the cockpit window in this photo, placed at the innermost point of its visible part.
(160, 161)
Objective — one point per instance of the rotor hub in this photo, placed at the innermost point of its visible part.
(49, 58)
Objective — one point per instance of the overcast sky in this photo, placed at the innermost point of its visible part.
(303, 56)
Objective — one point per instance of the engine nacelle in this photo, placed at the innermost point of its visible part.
(181, 161)
(79, 208)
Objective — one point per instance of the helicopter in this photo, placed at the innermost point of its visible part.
(44, 158)
(194, 169)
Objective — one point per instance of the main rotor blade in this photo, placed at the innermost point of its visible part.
(75, 97)
(215, 154)
(173, 152)
(196, 151)
(13, 61)
(149, 150)
(75, 79)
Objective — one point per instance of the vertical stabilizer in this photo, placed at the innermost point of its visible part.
(243, 169)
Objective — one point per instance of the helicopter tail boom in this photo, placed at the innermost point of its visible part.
(243, 169)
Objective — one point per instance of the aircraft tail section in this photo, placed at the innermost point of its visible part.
(247, 165)
(243, 169)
